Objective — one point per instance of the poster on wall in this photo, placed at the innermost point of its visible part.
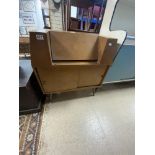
(28, 18)
(28, 5)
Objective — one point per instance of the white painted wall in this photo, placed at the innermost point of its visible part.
(124, 17)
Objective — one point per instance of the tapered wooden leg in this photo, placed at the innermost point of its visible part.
(94, 90)
(51, 97)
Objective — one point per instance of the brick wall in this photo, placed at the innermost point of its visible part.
(55, 15)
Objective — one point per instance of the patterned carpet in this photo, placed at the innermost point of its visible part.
(29, 133)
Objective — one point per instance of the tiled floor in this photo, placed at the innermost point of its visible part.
(76, 123)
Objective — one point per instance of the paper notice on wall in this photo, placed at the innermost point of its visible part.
(28, 5)
(30, 16)
(28, 19)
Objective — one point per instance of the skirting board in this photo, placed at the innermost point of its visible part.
(120, 81)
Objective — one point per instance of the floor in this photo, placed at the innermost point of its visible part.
(77, 123)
